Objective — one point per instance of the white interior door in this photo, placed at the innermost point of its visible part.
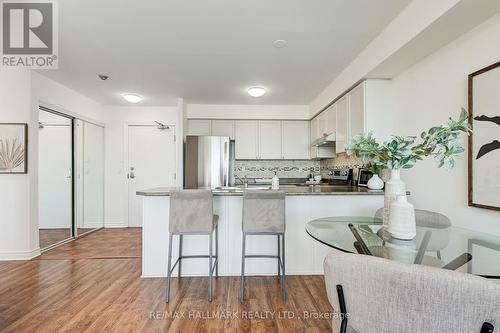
(93, 176)
(151, 163)
(55, 183)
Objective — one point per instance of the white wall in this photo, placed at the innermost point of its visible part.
(213, 111)
(419, 30)
(116, 193)
(416, 17)
(426, 95)
(64, 99)
(18, 208)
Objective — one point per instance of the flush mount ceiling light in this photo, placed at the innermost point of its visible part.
(132, 98)
(256, 91)
(280, 43)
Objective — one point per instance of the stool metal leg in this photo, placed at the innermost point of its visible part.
(242, 279)
(217, 250)
(283, 278)
(279, 256)
(210, 268)
(167, 297)
(180, 256)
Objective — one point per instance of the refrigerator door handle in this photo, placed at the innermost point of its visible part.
(225, 176)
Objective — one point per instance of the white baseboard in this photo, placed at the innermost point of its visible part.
(90, 225)
(19, 255)
(115, 224)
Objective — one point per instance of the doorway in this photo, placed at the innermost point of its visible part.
(151, 163)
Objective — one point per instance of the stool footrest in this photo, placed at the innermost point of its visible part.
(260, 256)
(195, 257)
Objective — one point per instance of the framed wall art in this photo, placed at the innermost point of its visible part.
(484, 142)
(13, 148)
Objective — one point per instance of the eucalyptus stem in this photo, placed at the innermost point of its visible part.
(443, 142)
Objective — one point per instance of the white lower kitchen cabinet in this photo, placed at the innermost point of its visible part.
(304, 255)
(295, 140)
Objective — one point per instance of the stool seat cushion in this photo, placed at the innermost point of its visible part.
(263, 211)
(191, 212)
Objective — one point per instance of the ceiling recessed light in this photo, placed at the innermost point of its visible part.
(132, 98)
(280, 43)
(256, 91)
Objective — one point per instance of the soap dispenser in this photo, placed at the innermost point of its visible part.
(275, 184)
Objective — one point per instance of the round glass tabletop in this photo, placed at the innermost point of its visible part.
(440, 246)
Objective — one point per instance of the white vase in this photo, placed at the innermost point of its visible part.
(375, 183)
(394, 187)
(402, 219)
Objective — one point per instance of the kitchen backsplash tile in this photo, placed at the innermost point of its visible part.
(294, 168)
(283, 168)
(339, 162)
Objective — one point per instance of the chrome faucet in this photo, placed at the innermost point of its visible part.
(243, 182)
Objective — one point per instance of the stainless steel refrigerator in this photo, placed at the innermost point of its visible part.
(208, 162)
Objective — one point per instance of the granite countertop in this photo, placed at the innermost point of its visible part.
(288, 189)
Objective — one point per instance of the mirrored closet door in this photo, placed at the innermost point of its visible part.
(71, 177)
(90, 171)
(55, 178)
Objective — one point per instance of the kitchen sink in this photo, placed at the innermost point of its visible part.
(241, 188)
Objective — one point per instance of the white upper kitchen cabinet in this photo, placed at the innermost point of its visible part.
(357, 110)
(331, 116)
(322, 124)
(342, 132)
(378, 108)
(314, 129)
(270, 140)
(223, 128)
(198, 127)
(295, 140)
(247, 138)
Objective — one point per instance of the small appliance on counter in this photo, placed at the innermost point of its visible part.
(341, 177)
(363, 177)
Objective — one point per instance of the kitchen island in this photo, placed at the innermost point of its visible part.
(303, 254)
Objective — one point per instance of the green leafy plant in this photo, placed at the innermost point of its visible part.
(374, 168)
(443, 142)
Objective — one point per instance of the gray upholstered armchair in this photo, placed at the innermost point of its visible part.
(384, 296)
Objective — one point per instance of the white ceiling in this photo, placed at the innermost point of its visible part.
(211, 51)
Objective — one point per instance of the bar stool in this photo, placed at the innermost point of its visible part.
(264, 214)
(191, 213)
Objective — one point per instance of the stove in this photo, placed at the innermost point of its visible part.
(341, 177)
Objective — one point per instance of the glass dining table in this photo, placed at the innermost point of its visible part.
(447, 247)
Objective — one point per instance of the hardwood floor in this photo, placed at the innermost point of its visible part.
(51, 236)
(81, 231)
(104, 243)
(76, 294)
